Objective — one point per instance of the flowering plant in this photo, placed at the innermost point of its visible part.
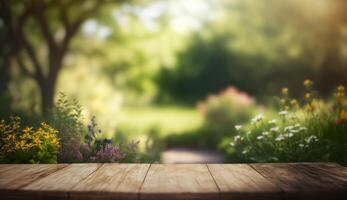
(27, 145)
(102, 150)
(66, 116)
(283, 139)
(305, 130)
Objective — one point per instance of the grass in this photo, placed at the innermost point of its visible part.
(169, 119)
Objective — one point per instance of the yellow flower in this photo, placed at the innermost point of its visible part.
(27, 130)
(308, 83)
(344, 103)
(339, 94)
(308, 95)
(20, 145)
(308, 107)
(343, 115)
(285, 91)
(340, 88)
(294, 103)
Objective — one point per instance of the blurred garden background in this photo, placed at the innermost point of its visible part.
(131, 80)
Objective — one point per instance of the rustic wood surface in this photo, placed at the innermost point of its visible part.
(174, 181)
(179, 181)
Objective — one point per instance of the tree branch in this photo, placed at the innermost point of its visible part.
(25, 43)
(71, 29)
(7, 18)
(47, 33)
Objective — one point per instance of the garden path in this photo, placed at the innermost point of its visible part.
(190, 155)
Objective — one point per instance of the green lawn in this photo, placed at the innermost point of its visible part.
(170, 120)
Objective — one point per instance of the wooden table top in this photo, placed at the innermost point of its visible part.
(174, 181)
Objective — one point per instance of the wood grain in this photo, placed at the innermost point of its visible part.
(179, 181)
(5, 167)
(21, 175)
(112, 181)
(300, 182)
(240, 181)
(58, 184)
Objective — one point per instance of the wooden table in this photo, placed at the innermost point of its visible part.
(174, 181)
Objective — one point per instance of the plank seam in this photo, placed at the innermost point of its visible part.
(215, 182)
(69, 192)
(278, 186)
(41, 177)
(144, 179)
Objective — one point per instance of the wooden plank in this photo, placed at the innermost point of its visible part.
(58, 184)
(5, 167)
(331, 169)
(300, 182)
(240, 181)
(112, 181)
(21, 175)
(179, 181)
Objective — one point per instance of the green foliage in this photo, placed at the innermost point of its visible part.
(66, 117)
(187, 139)
(205, 66)
(154, 145)
(223, 111)
(102, 150)
(311, 132)
(27, 145)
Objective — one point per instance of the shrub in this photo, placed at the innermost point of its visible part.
(67, 118)
(223, 111)
(306, 130)
(154, 145)
(27, 145)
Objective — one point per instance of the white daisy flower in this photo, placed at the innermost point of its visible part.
(283, 113)
(312, 138)
(274, 129)
(288, 128)
(302, 129)
(294, 131)
(238, 127)
(258, 118)
(273, 121)
(292, 117)
(280, 138)
(265, 133)
(260, 137)
(237, 137)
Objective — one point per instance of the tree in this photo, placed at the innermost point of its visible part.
(34, 25)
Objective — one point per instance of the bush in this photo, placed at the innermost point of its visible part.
(27, 145)
(154, 145)
(66, 117)
(223, 111)
(306, 130)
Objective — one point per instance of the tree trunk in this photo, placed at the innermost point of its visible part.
(48, 84)
(330, 73)
(47, 89)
